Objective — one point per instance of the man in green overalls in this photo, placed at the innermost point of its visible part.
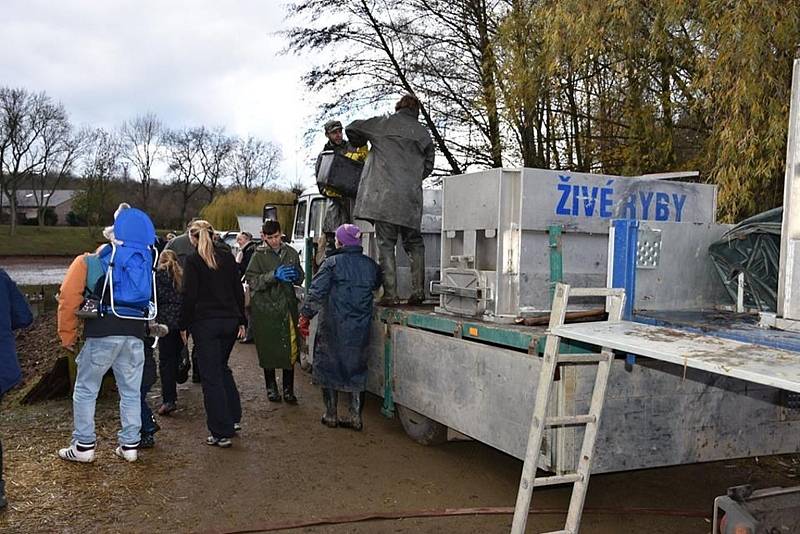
(271, 275)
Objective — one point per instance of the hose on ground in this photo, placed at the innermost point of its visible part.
(448, 512)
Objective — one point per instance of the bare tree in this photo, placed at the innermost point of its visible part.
(183, 159)
(24, 117)
(215, 149)
(441, 51)
(255, 163)
(142, 146)
(62, 146)
(101, 166)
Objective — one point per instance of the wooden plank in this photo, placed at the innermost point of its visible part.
(745, 361)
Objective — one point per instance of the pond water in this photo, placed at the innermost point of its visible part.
(35, 270)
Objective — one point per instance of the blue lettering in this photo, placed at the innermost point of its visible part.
(647, 199)
(561, 208)
(662, 207)
(679, 201)
(629, 206)
(605, 200)
(576, 191)
(589, 200)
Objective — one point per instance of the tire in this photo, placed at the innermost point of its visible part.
(421, 429)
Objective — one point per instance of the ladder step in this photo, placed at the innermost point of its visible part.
(587, 357)
(559, 532)
(570, 478)
(595, 292)
(569, 420)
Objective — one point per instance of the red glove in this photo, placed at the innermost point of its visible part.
(303, 325)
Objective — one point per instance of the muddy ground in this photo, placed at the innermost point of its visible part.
(286, 467)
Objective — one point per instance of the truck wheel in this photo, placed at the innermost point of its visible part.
(421, 429)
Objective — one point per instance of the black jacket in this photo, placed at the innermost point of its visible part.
(211, 294)
(169, 300)
(247, 254)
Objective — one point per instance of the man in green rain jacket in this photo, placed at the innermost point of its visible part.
(271, 275)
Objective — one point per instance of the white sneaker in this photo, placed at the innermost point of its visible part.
(77, 452)
(127, 452)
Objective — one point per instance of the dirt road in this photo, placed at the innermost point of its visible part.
(285, 466)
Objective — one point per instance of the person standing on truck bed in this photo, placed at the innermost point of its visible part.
(271, 275)
(338, 209)
(390, 193)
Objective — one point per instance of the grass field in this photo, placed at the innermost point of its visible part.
(48, 241)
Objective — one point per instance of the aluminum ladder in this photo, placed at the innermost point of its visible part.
(615, 299)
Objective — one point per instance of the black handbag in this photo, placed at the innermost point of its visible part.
(184, 366)
(339, 175)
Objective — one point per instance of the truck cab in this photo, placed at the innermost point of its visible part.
(308, 216)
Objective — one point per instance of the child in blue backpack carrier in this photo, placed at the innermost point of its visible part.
(118, 279)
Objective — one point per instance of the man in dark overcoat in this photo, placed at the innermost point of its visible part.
(400, 157)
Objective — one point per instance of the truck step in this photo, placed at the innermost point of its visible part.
(569, 420)
(588, 357)
(557, 479)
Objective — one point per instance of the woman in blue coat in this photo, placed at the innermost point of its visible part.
(14, 314)
(341, 293)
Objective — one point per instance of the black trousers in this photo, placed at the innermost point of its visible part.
(213, 341)
(169, 355)
(386, 235)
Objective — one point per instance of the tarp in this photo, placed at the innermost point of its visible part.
(752, 247)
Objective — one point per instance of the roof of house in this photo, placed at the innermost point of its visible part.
(27, 198)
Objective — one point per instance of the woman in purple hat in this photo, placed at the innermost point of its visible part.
(341, 293)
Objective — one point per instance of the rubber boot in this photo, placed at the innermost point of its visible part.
(3, 501)
(417, 260)
(356, 407)
(272, 385)
(388, 266)
(288, 386)
(330, 397)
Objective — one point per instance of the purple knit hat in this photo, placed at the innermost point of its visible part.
(349, 235)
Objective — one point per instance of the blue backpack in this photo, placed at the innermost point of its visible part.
(130, 267)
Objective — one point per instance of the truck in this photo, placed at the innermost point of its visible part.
(467, 365)
(693, 379)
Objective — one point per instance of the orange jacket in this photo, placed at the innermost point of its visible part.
(70, 298)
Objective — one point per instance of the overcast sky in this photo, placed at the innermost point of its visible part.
(199, 62)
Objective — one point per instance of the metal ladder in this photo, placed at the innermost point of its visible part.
(540, 421)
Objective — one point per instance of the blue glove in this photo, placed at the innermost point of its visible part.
(286, 273)
(283, 273)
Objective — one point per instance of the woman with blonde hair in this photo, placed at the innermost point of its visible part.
(169, 281)
(213, 313)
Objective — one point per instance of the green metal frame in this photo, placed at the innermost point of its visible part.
(308, 261)
(531, 342)
(388, 374)
(556, 257)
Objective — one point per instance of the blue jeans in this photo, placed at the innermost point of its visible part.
(123, 354)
